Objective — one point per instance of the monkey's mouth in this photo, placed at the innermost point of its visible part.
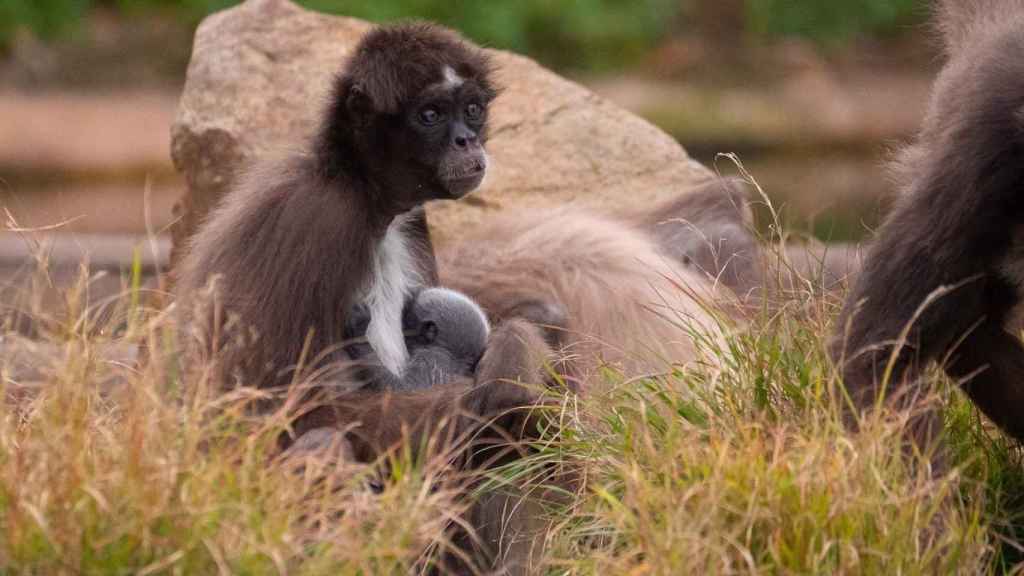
(461, 185)
(463, 172)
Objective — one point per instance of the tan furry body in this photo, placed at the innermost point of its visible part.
(628, 304)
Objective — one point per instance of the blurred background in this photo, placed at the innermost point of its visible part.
(810, 94)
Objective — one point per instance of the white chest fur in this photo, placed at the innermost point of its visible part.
(394, 277)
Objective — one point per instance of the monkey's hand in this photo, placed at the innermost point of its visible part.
(510, 390)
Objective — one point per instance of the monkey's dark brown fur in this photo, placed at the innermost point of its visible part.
(956, 225)
(297, 242)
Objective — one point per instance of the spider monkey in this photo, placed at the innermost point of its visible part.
(948, 263)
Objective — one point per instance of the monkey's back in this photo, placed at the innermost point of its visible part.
(628, 304)
(260, 286)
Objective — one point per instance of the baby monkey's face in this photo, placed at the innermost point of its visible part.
(443, 321)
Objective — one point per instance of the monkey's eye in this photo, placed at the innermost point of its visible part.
(474, 111)
(430, 116)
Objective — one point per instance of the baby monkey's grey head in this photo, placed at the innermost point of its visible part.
(443, 320)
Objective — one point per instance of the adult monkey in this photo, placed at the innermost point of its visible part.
(955, 232)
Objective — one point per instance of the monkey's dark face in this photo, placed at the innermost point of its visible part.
(445, 128)
(432, 147)
(410, 115)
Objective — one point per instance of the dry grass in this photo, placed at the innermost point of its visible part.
(108, 468)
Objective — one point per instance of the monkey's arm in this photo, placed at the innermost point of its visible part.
(419, 233)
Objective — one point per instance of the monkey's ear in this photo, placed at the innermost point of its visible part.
(359, 106)
(357, 322)
(428, 332)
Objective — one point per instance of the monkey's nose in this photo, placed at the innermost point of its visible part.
(464, 141)
(464, 138)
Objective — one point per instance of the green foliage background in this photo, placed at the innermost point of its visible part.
(581, 33)
(562, 33)
(831, 21)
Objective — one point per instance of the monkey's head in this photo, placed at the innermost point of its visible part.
(439, 320)
(412, 107)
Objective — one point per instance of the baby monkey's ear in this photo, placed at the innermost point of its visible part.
(357, 322)
(428, 332)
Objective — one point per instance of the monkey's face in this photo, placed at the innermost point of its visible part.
(445, 130)
(412, 106)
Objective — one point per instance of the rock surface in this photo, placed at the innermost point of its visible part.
(258, 79)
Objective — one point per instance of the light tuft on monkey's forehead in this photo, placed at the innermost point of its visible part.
(451, 78)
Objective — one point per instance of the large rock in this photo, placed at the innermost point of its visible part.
(259, 75)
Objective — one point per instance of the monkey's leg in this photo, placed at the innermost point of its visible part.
(510, 527)
(508, 522)
(863, 374)
(510, 373)
(863, 382)
(993, 361)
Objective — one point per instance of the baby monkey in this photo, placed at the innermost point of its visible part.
(445, 332)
